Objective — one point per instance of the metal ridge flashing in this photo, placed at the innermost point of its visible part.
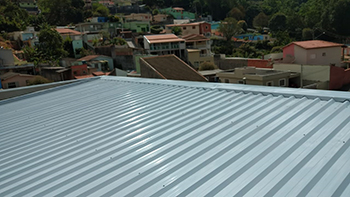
(11, 95)
(338, 96)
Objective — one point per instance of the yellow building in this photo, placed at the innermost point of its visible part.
(198, 49)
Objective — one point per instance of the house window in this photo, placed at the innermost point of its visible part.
(227, 81)
(184, 28)
(206, 27)
(193, 27)
(282, 82)
(313, 56)
(269, 83)
(241, 82)
(323, 54)
(11, 85)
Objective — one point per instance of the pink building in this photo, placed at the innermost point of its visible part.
(313, 52)
(14, 80)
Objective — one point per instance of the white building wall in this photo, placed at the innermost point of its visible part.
(308, 72)
(324, 56)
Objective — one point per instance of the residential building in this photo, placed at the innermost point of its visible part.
(75, 36)
(160, 18)
(144, 17)
(101, 62)
(211, 75)
(163, 44)
(137, 26)
(125, 136)
(14, 80)
(253, 37)
(203, 28)
(91, 30)
(178, 13)
(29, 37)
(313, 52)
(258, 76)
(198, 49)
(227, 63)
(29, 5)
(168, 67)
(326, 77)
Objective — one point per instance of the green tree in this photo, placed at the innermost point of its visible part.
(100, 10)
(229, 27)
(38, 80)
(62, 12)
(118, 41)
(236, 14)
(156, 29)
(12, 17)
(242, 24)
(261, 20)
(251, 12)
(308, 34)
(176, 30)
(278, 22)
(51, 44)
(340, 18)
(155, 12)
(68, 47)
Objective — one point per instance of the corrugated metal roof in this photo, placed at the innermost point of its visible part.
(146, 137)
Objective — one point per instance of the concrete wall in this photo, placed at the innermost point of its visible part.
(109, 59)
(288, 51)
(273, 80)
(300, 55)
(338, 77)
(196, 59)
(186, 29)
(6, 58)
(230, 63)
(324, 56)
(308, 72)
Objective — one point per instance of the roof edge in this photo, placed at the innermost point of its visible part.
(254, 89)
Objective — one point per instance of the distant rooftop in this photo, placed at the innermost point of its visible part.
(172, 67)
(68, 31)
(162, 38)
(314, 44)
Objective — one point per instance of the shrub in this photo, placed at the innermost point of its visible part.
(207, 66)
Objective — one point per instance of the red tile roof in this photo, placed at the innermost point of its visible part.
(177, 8)
(67, 31)
(84, 76)
(100, 73)
(315, 44)
(88, 58)
(163, 38)
(194, 37)
(186, 24)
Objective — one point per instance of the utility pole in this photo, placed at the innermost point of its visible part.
(301, 76)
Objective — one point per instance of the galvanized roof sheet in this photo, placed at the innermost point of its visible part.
(116, 136)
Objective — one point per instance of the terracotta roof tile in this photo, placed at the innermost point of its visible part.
(67, 31)
(314, 44)
(163, 38)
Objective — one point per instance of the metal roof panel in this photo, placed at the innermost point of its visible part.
(117, 136)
